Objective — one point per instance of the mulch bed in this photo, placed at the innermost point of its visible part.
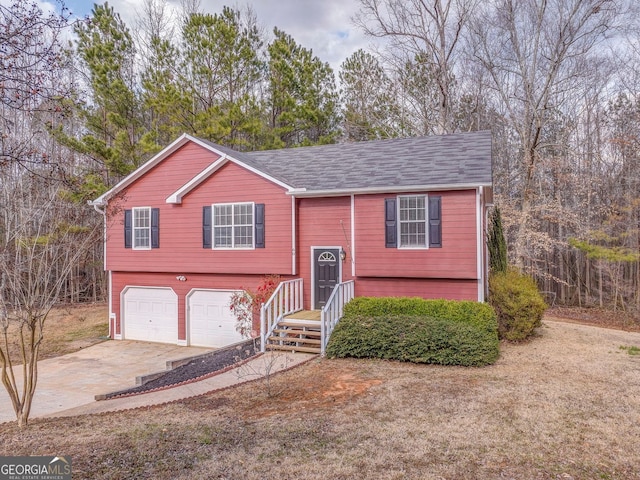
(198, 367)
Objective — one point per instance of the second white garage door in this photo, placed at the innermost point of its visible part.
(211, 323)
(150, 314)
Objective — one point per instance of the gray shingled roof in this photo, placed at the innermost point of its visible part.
(442, 160)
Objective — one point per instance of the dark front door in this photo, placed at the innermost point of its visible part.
(326, 263)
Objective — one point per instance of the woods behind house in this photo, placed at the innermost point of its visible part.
(83, 102)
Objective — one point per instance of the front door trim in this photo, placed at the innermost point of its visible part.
(315, 248)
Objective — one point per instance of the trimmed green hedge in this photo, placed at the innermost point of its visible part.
(444, 332)
(477, 314)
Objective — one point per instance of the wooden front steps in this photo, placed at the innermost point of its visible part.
(299, 332)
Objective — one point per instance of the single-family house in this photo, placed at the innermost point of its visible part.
(198, 221)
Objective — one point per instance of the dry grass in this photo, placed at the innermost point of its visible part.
(564, 406)
(67, 329)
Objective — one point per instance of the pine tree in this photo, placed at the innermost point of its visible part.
(112, 116)
(221, 73)
(370, 110)
(303, 98)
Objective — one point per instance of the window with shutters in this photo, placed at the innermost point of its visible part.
(413, 221)
(233, 225)
(141, 231)
(142, 228)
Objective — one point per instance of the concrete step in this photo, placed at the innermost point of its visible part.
(293, 348)
(310, 341)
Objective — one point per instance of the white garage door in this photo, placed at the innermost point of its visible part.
(151, 314)
(211, 323)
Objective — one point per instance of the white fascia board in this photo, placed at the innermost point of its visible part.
(389, 189)
(241, 164)
(160, 156)
(144, 168)
(262, 174)
(176, 197)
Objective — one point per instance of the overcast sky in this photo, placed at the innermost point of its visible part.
(324, 26)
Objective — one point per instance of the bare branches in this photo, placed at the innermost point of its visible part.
(40, 246)
(428, 34)
(31, 54)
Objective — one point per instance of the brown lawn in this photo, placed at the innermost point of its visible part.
(67, 330)
(564, 406)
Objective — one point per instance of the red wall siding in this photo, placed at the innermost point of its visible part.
(456, 259)
(181, 225)
(120, 280)
(415, 287)
(322, 222)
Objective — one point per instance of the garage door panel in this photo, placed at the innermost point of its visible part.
(151, 314)
(211, 323)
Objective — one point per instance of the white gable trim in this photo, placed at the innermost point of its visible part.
(160, 156)
(143, 169)
(286, 186)
(176, 197)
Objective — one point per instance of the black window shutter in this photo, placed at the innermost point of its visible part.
(391, 230)
(259, 222)
(155, 228)
(128, 231)
(435, 221)
(206, 227)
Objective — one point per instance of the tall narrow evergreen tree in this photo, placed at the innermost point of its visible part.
(496, 243)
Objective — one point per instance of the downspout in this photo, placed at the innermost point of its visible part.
(293, 235)
(353, 237)
(480, 254)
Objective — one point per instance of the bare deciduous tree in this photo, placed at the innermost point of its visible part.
(42, 234)
(39, 247)
(429, 33)
(536, 53)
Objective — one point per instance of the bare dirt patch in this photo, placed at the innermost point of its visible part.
(563, 406)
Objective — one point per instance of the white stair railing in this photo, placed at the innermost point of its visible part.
(286, 299)
(333, 310)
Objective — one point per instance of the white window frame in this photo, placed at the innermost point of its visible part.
(233, 226)
(400, 222)
(134, 244)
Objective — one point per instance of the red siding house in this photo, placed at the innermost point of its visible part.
(197, 222)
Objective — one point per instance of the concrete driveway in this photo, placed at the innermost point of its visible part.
(75, 379)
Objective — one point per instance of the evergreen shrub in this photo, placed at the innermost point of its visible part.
(518, 304)
(442, 332)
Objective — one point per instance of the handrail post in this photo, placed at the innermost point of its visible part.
(333, 310)
(263, 329)
(282, 302)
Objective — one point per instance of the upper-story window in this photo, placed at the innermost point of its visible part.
(238, 226)
(142, 228)
(233, 225)
(413, 221)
